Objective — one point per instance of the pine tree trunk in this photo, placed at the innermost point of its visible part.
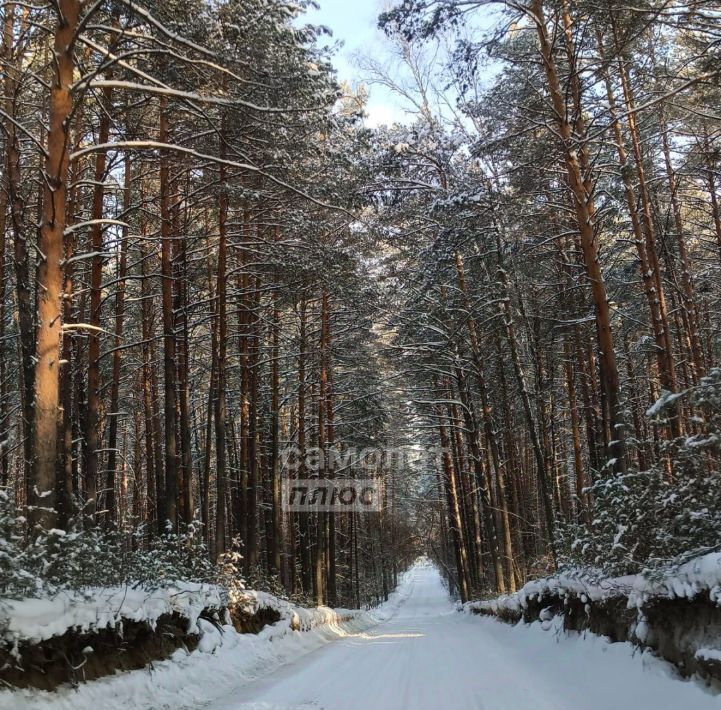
(274, 465)
(489, 429)
(454, 512)
(117, 352)
(253, 479)
(642, 243)
(91, 425)
(7, 57)
(154, 474)
(319, 570)
(690, 309)
(472, 513)
(585, 211)
(472, 439)
(331, 583)
(24, 305)
(41, 498)
(303, 518)
(169, 513)
(205, 478)
(220, 343)
(667, 371)
(185, 477)
(711, 183)
(244, 322)
(541, 470)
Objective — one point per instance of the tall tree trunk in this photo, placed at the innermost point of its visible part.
(473, 531)
(185, 472)
(581, 498)
(169, 514)
(253, 478)
(489, 429)
(541, 470)
(117, 352)
(67, 460)
(220, 342)
(205, 477)
(13, 183)
(667, 370)
(303, 518)
(648, 272)
(711, 183)
(320, 579)
(153, 458)
(91, 427)
(331, 584)
(41, 498)
(472, 438)
(454, 511)
(274, 464)
(585, 211)
(7, 58)
(690, 310)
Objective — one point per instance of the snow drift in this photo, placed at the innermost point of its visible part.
(164, 637)
(677, 615)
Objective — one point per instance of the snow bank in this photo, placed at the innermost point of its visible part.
(541, 666)
(676, 615)
(223, 659)
(36, 620)
(700, 577)
(301, 618)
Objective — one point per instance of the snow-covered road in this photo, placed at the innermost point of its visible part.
(430, 656)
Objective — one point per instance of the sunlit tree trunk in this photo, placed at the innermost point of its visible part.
(41, 498)
(585, 212)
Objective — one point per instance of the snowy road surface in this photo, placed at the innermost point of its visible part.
(430, 656)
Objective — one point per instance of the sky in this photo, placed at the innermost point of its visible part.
(354, 22)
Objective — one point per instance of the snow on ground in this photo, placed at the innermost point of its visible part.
(415, 652)
(428, 656)
(221, 663)
(36, 620)
(698, 577)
